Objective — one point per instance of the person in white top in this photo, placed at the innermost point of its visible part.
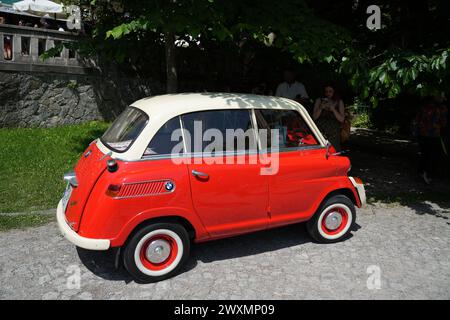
(291, 88)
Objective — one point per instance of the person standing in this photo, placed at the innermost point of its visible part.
(291, 88)
(329, 114)
(7, 47)
(429, 124)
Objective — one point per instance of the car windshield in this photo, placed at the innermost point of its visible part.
(125, 129)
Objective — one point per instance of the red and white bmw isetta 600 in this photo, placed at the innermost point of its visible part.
(174, 169)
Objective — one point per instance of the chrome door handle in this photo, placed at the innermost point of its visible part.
(196, 173)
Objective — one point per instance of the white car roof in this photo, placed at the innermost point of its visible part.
(161, 109)
(189, 102)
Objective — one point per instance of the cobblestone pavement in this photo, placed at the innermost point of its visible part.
(408, 247)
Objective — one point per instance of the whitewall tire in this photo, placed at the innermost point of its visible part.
(333, 220)
(156, 252)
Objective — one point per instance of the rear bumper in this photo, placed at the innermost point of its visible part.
(75, 238)
(361, 191)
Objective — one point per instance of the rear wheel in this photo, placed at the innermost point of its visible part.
(333, 220)
(156, 252)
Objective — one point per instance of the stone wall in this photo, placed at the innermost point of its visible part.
(46, 99)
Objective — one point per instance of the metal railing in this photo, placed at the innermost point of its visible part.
(21, 47)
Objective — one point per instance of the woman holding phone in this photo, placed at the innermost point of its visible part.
(329, 114)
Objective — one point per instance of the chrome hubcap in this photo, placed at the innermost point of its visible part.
(333, 220)
(158, 251)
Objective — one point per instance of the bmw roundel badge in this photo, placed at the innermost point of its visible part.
(169, 185)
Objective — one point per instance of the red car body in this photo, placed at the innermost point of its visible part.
(105, 206)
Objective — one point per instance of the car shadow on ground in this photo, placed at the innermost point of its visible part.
(102, 263)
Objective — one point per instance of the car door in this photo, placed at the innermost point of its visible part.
(302, 166)
(228, 191)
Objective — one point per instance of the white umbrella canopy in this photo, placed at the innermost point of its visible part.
(38, 6)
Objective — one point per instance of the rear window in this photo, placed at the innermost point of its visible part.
(125, 129)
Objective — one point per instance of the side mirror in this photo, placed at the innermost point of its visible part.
(328, 154)
(340, 153)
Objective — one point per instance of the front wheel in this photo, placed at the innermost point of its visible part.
(156, 252)
(333, 220)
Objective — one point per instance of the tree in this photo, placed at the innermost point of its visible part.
(296, 29)
(409, 53)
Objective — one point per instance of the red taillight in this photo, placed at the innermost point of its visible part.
(113, 190)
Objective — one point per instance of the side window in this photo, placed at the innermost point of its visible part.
(161, 143)
(25, 46)
(42, 46)
(220, 131)
(56, 44)
(293, 132)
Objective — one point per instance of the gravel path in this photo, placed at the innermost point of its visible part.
(407, 247)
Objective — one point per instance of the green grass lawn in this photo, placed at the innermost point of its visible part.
(33, 161)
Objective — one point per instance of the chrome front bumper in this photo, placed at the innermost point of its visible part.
(75, 238)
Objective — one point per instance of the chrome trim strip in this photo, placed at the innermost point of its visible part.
(220, 154)
(256, 129)
(305, 148)
(108, 154)
(160, 157)
(200, 155)
(182, 134)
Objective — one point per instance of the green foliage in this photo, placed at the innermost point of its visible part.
(362, 120)
(33, 161)
(82, 47)
(422, 74)
(56, 50)
(360, 115)
(126, 28)
(409, 53)
(307, 37)
(72, 84)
